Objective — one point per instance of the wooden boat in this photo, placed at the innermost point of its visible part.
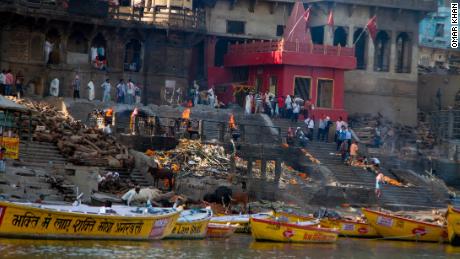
(216, 230)
(350, 228)
(453, 225)
(241, 220)
(396, 227)
(30, 220)
(271, 230)
(192, 224)
(291, 217)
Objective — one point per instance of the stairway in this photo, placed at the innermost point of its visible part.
(40, 154)
(419, 195)
(136, 177)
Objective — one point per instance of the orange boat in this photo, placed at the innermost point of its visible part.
(220, 230)
(396, 227)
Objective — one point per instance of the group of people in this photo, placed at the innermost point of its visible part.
(281, 106)
(8, 80)
(127, 93)
(303, 136)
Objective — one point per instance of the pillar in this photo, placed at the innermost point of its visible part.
(370, 49)
(393, 53)
(263, 168)
(277, 171)
(350, 36)
(328, 35)
(249, 167)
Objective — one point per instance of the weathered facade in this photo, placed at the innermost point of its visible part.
(385, 80)
(148, 48)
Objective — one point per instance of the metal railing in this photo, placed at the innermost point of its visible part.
(161, 17)
(270, 46)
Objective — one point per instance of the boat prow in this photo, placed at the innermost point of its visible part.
(271, 230)
(29, 220)
(192, 224)
(241, 220)
(453, 225)
(216, 230)
(395, 227)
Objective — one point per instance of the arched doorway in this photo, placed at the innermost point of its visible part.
(382, 52)
(359, 39)
(133, 60)
(317, 34)
(50, 46)
(403, 53)
(340, 37)
(98, 52)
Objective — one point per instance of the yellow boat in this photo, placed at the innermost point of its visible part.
(271, 230)
(350, 228)
(453, 225)
(29, 220)
(241, 220)
(192, 224)
(396, 227)
(291, 217)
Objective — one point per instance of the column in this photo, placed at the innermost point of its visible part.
(249, 167)
(263, 168)
(328, 35)
(350, 36)
(277, 171)
(393, 54)
(370, 49)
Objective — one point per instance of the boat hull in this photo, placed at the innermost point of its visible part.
(190, 230)
(220, 230)
(269, 230)
(23, 221)
(395, 227)
(453, 226)
(348, 228)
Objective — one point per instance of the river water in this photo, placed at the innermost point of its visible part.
(238, 246)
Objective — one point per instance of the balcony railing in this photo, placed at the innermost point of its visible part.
(270, 46)
(416, 5)
(161, 17)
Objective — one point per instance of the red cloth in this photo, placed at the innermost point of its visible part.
(281, 102)
(372, 27)
(330, 19)
(306, 15)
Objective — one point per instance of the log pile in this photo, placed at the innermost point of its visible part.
(79, 144)
(400, 135)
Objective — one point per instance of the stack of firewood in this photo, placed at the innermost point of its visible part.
(79, 144)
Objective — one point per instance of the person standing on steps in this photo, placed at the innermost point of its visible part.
(107, 87)
(378, 181)
(76, 87)
(295, 112)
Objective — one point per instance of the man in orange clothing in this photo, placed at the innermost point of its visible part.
(353, 152)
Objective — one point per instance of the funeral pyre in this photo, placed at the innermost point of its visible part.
(193, 158)
(79, 144)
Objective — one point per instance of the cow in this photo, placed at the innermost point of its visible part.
(161, 173)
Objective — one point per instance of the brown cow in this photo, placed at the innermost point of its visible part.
(161, 173)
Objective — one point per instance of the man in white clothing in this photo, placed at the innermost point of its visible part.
(107, 87)
(91, 90)
(310, 125)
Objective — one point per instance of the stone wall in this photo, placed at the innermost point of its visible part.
(428, 86)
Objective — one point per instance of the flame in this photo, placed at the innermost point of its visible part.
(231, 122)
(186, 114)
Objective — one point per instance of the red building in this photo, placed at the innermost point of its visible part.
(291, 66)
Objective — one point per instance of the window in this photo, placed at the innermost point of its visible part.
(317, 34)
(279, 30)
(340, 37)
(325, 88)
(302, 87)
(403, 53)
(235, 27)
(439, 30)
(382, 52)
(273, 84)
(133, 56)
(359, 39)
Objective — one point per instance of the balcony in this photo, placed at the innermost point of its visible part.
(290, 53)
(414, 5)
(169, 18)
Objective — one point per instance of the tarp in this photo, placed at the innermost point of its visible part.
(6, 104)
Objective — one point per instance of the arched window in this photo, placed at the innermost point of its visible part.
(133, 60)
(382, 52)
(98, 52)
(77, 43)
(317, 34)
(403, 53)
(340, 37)
(359, 39)
(51, 47)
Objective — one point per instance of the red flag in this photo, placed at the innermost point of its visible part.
(306, 15)
(372, 27)
(330, 19)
